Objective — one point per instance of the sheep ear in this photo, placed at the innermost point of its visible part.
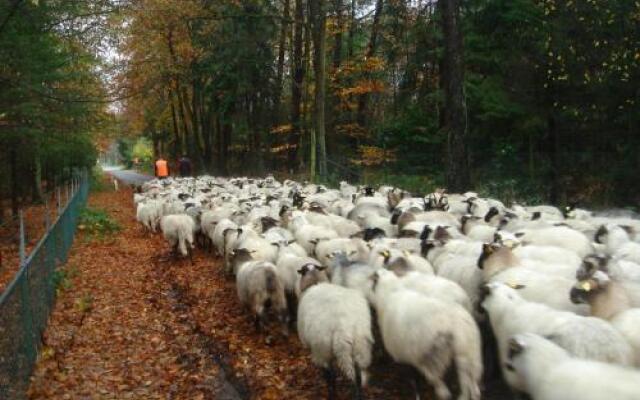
(321, 267)
(276, 244)
(303, 270)
(628, 229)
(291, 241)
(314, 241)
(516, 286)
(487, 248)
(515, 347)
(519, 234)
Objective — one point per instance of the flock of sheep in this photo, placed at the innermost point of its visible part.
(443, 281)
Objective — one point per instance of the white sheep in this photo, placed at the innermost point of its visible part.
(335, 323)
(499, 264)
(260, 290)
(308, 236)
(351, 274)
(178, 231)
(625, 274)
(551, 373)
(429, 335)
(609, 301)
(618, 243)
(429, 285)
(586, 337)
(149, 214)
(355, 249)
(218, 235)
(558, 236)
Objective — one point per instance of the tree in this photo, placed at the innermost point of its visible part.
(455, 108)
(317, 10)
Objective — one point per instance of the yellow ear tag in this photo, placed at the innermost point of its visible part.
(586, 286)
(512, 285)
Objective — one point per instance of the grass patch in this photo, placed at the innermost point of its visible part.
(98, 182)
(96, 223)
(63, 276)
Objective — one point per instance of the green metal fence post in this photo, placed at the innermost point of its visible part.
(22, 249)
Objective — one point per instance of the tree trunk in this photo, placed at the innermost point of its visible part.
(371, 51)
(13, 160)
(297, 73)
(337, 49)
(319, 43)
(37, 196)
(284, 33)
(176, 127)
(352, 29)
(455, 118)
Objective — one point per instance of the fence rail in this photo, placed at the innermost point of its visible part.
(27, 301)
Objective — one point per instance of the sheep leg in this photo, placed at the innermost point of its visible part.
(415, 383)
(357, 388)
(190, 251)
(436, 381)
(330, 377)
(174, 250)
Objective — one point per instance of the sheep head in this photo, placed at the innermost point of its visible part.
(312, 274)
(591, 264)
(584, 289)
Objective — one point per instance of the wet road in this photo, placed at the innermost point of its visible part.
(130, 177)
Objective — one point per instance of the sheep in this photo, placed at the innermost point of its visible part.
(428, 285)
(623, 273)
(499, 264)
(178, 231)
(335, 323)
(558, 236)
(610, 302)
(546, 254)
(288, 266)
(355, 249)
(260, 289)
(351, 274)
(463, 271)
(443, 245)
(618, 243)
(308, 236)
(429, 334)
(476, 229)
(309, 275)
(383, 256)
(261, 248)
(437, 200)
(618, 269)
(585, 337)
(230, 237)
(551, 373)
(218, 235)
(148, 214)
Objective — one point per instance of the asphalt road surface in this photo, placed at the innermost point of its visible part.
(130, 177)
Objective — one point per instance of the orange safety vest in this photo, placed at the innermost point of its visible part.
(162, 169)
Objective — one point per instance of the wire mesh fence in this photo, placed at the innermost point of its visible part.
(27, 301)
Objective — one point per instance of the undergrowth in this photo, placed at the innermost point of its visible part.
(96, 223)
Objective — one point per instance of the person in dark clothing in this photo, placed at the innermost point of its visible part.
(184, 166)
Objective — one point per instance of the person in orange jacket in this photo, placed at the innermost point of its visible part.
(161, 168)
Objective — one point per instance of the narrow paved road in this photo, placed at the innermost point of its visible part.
(130, 177)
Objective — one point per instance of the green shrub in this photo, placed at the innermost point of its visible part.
(97, 223)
